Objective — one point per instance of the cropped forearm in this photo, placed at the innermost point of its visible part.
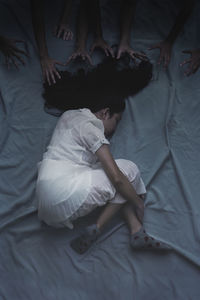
(182, 17)
(95, 17)
(37, 11)
(67, 11)
(82, 26)
(128, 10)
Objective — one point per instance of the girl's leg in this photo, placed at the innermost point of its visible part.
(110, 210)
(132, 220)
(82, 243)
(139, 239)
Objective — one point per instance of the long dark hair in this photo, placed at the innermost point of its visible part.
(106, 85)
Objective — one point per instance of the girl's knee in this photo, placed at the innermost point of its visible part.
(129, 168)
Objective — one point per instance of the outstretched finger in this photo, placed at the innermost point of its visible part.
(20, 51)
(14, 62)
(119, 53)
(195, 68)
(56, 73)
(111, 52)
(20, 41)
(133, 57)
(92, 49)
(140, 56)
(160, 59)
(192, 69)
(55, 30)
(59, 33)
(7, 62)
(106, 51)
(166, 62)
(65, 35)
(189, 71)
(89, 59)
(52, 76)
(69, 36)
(19, 58)
(72, 57)
(185, 62)
(47, 77)
(59, 63)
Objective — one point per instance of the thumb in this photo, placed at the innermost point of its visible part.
(59, 63)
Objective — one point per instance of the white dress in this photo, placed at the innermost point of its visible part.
(71, 181)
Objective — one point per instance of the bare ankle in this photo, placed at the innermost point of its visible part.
(99, 226)
(136, 229)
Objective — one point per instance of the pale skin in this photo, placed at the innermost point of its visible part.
(48, 64)
(13, 55)
(127, 13)
(166, 45)
(134, 208)
(82, 33)
(62, 30)
(193, 61)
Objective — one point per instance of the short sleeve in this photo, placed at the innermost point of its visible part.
(92, 137)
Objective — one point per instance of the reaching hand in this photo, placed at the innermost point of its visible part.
(165, 52)
(48, 69)
(80, 53)
(125, 48)
(194, 61)
(63, 31)
(11, 52)
(101, 43)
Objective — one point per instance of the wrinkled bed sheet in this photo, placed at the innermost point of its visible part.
(160, 132)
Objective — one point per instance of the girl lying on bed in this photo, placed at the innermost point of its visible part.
(78, 173)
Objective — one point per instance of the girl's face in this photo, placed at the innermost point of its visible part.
(110, 122)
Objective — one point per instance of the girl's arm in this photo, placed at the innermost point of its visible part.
(119, 180)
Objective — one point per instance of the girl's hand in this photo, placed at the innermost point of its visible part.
(11, 52)
(125, 48)
(194, 61)
(49, 70)
(165, 52)
(101, 43)
(63, 31)
(80, 53)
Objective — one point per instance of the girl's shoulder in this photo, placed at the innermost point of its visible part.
(80, 118)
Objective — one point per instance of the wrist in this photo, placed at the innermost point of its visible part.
(98, 37)
(124, 42)
(64, 21)
(43, 56)
(169, 40)
(80, 46)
